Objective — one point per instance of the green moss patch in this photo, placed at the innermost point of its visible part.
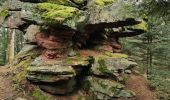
(142, 26)
(4, 13)
(39, 95)
(22, 61)
(116, 55)
(55, 13)
(62, 2)
(103, 67)
(104, 2)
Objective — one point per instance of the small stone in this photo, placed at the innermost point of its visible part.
(128, 71)
(125, 94)
(71, 53)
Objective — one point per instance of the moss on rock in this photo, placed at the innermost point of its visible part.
(55, 13)
(104, 2)
(102, 66)
(99, 3)
(116, 55)
(107, 88)
(21, 62)
(141, 26)
(62, 2)
(37, 94)
(4, 13)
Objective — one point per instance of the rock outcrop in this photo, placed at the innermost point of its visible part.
(74, 44)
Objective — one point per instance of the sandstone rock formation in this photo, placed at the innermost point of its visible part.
(74, 44)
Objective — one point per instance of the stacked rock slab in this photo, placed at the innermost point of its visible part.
(77, 43)
(58, 77)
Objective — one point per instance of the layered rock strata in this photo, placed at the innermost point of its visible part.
(76, 44)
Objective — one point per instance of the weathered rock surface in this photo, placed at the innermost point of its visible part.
(60, 87)
(28, 13)
(13, 5)
(107, 89)
(74, 43)
(31, 32)
(57, 77)
(105, 65)
(14, 20)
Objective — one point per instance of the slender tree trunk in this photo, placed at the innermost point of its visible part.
(12, 46)
(8, 45)
(147, 60)
(151, 56)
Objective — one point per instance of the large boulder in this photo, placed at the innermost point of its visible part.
(110, 64)
(65, 13)
(56, 77)
(105, 89)
(74, 43)
(61, 87)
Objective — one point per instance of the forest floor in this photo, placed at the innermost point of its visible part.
(140, 86)
(6, 90)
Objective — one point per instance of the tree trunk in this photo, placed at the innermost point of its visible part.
(12, 46)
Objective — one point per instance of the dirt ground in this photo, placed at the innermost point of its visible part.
(140, 86)
(6, 91)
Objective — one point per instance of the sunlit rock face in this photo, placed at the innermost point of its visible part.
(77, 45)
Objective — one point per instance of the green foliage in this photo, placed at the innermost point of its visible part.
(151, 50)
(3, 45)
(156, 8)
(160, 81)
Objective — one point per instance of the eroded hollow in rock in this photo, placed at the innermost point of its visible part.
(54, 42)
